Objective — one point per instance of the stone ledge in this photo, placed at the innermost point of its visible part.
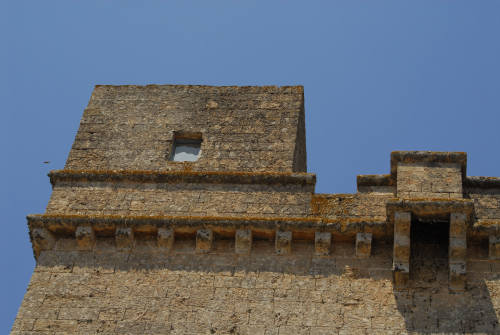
(485, 227)
(430, 207)
(205, 177)
(208, 89)
(375, 180)
(482, 182)
(302, 227)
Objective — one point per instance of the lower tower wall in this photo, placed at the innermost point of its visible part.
(145, 290)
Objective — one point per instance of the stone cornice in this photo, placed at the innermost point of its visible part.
(482, 182)
(201, 177)
(375, 180)
(430, 207)
(66, 224)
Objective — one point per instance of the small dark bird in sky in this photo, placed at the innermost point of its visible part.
(46, 162)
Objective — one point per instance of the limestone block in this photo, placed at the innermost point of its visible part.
(283, 242)
(42, 239)
(166, 238)
(363, 245)
(243, 241)
(401, 250)
(429, 180)
(494, 248)
(85, 237)
(457, 278)
(124, 237)
(401, 253)
(457, 249)
(458, 225)
(204, 240)
(322, 243)
(402, 223)
(401, 275)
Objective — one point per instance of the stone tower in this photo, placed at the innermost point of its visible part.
(189, 210)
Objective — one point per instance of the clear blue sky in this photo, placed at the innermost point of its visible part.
(378, 76)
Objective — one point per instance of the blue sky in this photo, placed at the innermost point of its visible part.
(378, 76)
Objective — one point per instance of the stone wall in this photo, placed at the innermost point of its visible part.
(179, 199)
(486, 203)
(359, 205)
(243, 128)
(429, 180)
(145, 291)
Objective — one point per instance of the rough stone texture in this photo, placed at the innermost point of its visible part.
(494, 247)
(179, 199)
(42, 239)
(486, 202)
(243, 128)
(322, 243)
(363, 245)
(148, 292)
(243, 241)
(457, 251)
(132, 243)
(204, 240)
(283, 242)
(124, 237)
(341, 206)
(85, 237)
(429, 180)
(166, 238)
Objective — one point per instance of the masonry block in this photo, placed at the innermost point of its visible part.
(401, 253)
(42, 239)
(283, 242)
(165, 238)
(458, 225)
(322, 243)
(243, 241)
(457, 249)
(85, 237)
(204, 240)
(124, 237)
(494, 247)
(363, 245)
(402, 223)
(457, 277)
(401, 278)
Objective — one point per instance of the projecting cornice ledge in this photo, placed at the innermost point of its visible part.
(102, 224)
(206, 177)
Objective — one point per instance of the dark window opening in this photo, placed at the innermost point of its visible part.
(429, 251)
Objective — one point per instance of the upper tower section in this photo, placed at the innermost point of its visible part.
(199, 128)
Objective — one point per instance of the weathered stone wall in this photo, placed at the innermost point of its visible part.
(359, 205)
(429, 180)
(150, 292)
(486, 203)
(243, 128)
(179, 199)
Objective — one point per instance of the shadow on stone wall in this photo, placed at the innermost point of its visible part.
(429, 307)
(432, 310)
(337, 293)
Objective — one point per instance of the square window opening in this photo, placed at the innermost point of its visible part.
(186, 149)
